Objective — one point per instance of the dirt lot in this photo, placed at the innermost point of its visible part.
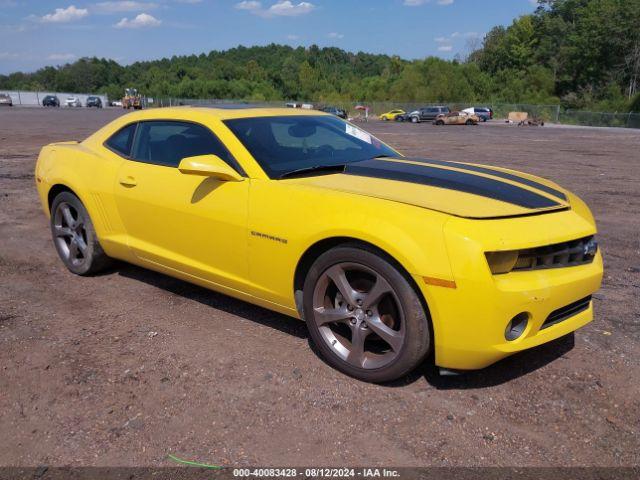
(127, 367)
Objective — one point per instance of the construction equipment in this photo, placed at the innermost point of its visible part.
(132, 99)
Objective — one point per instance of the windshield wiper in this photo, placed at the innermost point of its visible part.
(314, 169)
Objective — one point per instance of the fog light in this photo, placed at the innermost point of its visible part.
(517, 326)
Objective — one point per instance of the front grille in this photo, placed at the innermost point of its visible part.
(568, 311)
(565, 254)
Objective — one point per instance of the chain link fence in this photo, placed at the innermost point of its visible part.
(548, 113)
(600, 119)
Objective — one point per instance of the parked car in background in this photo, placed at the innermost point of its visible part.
(456, 118)
(338, 112)
(94, 102)
(427, 114)
(50, 101)
(392, 115)
(484, 113)
(116, 103)
(5, 100)
(73, 102)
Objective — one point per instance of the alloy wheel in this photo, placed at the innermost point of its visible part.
(359, 315)
(69, 227)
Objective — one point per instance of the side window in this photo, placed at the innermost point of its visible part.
(168, 142)
(121, 141)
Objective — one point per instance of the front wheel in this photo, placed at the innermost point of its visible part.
(364, 316)
(469, 122)
(75, 237)
(415, 120)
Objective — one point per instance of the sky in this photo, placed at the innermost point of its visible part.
(36, 33)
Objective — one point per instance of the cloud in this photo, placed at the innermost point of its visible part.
(65, 15)
(335, 35)
(144, 20)
(250, 5)
(446, 43)
(282, 8)
(9, 55)
(445, 2)
(65, 57)
(123, 6)
(288, 9)
(291, 36)
(192, 2)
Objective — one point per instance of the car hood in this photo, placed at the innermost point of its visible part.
(460, 189)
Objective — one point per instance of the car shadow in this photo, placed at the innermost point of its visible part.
(510, 368)
(515, 366)
(212, 299)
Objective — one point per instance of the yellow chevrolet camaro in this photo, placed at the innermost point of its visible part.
(386, 258)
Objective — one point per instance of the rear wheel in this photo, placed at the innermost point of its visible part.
(364, 316)
(469, 122)
(74, 236)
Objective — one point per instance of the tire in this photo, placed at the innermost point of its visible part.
(415, 120)
(392, 327)
(439, 123)
(385, 119)
(75, 237)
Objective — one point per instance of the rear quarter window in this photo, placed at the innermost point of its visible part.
(121, 141)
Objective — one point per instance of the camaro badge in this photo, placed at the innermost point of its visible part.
(269, 237)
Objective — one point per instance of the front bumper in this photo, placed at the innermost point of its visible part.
(469, 321)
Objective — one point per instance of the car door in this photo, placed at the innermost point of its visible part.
(189, 223)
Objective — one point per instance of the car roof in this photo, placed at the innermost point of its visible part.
(224, 112)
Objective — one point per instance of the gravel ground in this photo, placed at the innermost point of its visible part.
(127, 367)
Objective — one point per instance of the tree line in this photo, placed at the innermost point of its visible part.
(583, 54)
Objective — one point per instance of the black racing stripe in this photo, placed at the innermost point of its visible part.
(491, 171)
(451, 179)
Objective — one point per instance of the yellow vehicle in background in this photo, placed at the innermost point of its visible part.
(391, 115)
(132, 99)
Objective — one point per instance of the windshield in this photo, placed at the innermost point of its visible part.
(285, 144)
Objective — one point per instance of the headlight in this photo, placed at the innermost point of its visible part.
(502, 262)
(566, 254)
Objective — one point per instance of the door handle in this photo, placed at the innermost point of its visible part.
(128, 181)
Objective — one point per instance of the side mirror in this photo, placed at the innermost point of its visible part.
(209, 166)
